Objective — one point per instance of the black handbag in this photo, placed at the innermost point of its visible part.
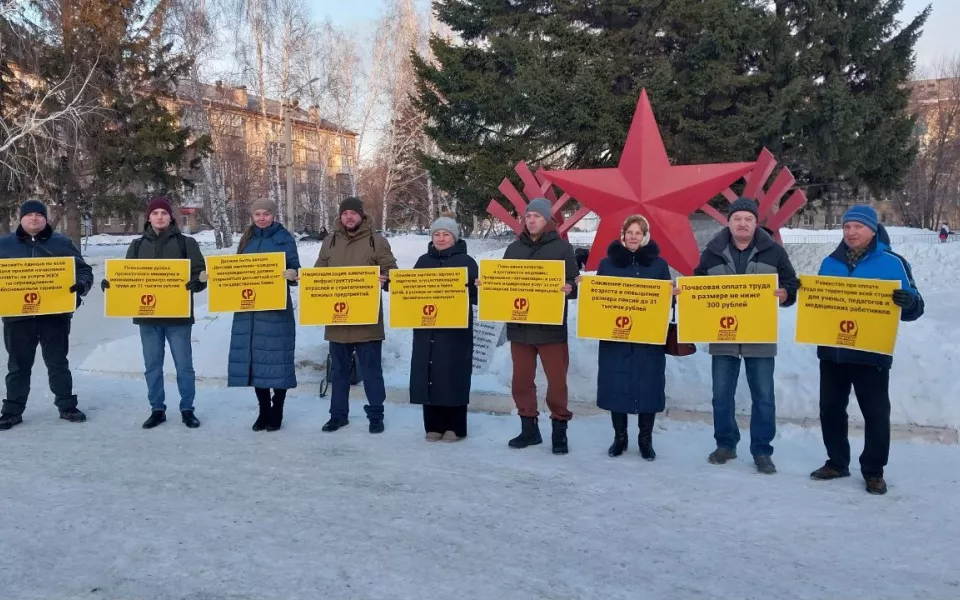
(354, 374)
(674, 347)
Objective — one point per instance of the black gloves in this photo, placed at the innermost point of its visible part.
(76, 288)
(195, 286)
(104, 285)
(905, 299)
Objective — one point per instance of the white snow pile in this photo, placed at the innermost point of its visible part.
(923, 383)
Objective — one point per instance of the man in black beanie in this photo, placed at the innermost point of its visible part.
(34, 238)
(354, 243)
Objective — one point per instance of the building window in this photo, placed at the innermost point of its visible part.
(807, 219)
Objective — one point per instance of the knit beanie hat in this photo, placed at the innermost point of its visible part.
(744, 205)
(862, 214)
(264, 204)
(33, 206)
(161, 202)
(542, 207)
(446, 224)
(352, 203)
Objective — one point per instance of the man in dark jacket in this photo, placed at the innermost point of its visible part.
(162, 240)
(743, 248)
(35, 239)
(540, 241)
(864, 252)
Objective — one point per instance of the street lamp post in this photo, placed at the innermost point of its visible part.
(289, 105)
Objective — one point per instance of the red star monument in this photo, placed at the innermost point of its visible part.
(646, 183)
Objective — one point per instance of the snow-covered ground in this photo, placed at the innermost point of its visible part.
(106, 510)
(923, 385)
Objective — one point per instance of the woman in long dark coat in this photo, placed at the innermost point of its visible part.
(442, 360)
(632, 377)
(262, 343)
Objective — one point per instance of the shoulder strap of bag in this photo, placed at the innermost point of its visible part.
(182, 242)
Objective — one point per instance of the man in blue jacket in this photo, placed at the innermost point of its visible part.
(35, 239)
(864, 252)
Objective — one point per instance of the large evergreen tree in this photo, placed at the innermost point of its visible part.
(555, 82)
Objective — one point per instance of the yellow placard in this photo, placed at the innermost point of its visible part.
(147, 289)
(340, 296)
(728, 309)
(429, 298)
(37, 286)
(522, 291)
(246, 282)
(846, 312)
(624, 309)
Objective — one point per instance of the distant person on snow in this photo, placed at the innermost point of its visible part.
(354, 243)
(34, 238)
(323, 234)
(864, 252)
(944, 232)
(262, 343)
(162, 239)
(441, 362)
(744, 248)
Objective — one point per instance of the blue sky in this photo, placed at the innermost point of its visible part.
(940, 35)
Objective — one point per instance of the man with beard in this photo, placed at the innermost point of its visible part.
(354, 243)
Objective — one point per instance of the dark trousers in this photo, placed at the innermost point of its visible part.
(555, 359)
(872, 386)
(52, 333)
(370, 368)
(441, 419)
(263, 395)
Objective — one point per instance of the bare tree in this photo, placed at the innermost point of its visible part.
(933, 184)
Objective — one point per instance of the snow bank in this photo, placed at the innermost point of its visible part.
(923, 385)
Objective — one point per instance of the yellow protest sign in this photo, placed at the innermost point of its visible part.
(845, 312)
(429, 298)
(522, 291)
(340, 296)
(624, 309)
(727, 309)
(147, 289)
(247, 282)
(37, 286)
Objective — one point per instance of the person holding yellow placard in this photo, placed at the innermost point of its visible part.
(631, 378)
(34, 238)
(864, 253)
(162, 239)
(441, 362)
(743, 248)
(262, 343)
(354, 243)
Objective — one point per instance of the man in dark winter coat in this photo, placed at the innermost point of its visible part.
(743, 248)
(864, 252)
(34, 238)
(540, 241)
(162, 240)
(354, 243)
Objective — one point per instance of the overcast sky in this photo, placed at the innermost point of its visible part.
(940, 37)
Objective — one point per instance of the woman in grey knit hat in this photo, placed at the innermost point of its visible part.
(441, 363)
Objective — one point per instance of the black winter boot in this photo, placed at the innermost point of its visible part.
(560, 437)
(646, 421)
(334, 424)
(156, 417)
(9, 421)
(74, 415)
(620, 440)
(376, 424)
(275, 415)
(189, 419)
(263, 418)
(529, 434)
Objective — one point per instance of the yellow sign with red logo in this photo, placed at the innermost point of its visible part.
(37, 286)
(728, 309)
(246, 282)
(624, 309)
(522, 291)
(846, 312)
(429, 298)
(340, 296)
(147, 289)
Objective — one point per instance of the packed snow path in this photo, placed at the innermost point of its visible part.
(106, 510)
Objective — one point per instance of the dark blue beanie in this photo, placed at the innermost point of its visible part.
(744, 205)
(862, 214)
(33, 206)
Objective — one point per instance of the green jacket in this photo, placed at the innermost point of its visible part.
(172, 244)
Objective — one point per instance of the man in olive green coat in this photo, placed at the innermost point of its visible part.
(354, 243)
